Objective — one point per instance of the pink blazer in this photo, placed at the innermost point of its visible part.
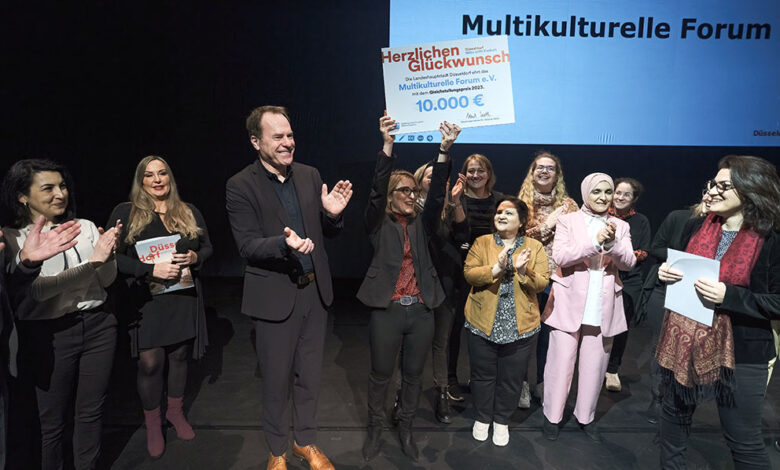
(572, 248)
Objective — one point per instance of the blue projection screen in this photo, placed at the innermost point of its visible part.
(621, 72)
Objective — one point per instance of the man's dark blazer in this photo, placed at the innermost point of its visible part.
(387, 238)
(258, 219)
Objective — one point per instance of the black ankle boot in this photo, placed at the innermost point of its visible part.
(371, 445)
(443, 410)
(407, 442)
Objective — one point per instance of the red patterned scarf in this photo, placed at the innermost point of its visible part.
(699, 358)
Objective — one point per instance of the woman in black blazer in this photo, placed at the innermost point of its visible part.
(728, 361)
(401, 285)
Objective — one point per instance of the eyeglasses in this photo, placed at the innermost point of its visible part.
(720, 186)
(549, 168)
(407, 191)
(476, 171)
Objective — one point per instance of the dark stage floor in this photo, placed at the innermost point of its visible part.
(224, 408)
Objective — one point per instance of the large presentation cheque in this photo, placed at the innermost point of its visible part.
(467, 82)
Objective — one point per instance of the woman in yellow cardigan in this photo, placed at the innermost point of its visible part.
(506, 270)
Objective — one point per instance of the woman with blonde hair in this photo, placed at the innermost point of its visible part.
(544, 192)
(163, 322)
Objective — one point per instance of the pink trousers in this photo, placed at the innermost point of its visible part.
(594, 352)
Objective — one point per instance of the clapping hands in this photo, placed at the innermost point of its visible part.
(607, 234)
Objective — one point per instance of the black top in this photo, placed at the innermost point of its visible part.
(669, 235)
(639, 227)
(288, 197)
(479, 213)
(163, 319)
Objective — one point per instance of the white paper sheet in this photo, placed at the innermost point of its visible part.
(681, 296)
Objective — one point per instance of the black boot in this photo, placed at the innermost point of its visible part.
(396, 408)
(371, 445)
(443, 410)
(407, 441)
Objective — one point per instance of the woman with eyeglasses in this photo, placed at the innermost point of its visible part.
(627, 193)
(544, 192)
(585, 309)
(728, 361)
(451, 232)
(506, 270)
(479, 202)
(166, 326)
(67, 337)
(651, 304)
(401, 285)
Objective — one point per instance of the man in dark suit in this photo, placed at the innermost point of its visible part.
(37, 248)
(280, 213)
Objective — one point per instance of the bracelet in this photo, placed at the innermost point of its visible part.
(441, 150)
(454, 204)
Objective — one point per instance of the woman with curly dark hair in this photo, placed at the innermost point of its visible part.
(728, 361)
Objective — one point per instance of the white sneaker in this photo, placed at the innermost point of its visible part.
(613, 382)
(500, 434)
(480, 431)
(525, 397)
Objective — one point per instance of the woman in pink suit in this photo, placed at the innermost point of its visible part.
(585, 310)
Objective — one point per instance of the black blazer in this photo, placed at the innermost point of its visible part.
(752, 308)
(258, 219)
(387, 238)
(11, 294)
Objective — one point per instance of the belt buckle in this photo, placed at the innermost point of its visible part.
(304, 279)
(406, 300)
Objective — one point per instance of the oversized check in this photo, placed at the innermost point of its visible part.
(467, 82)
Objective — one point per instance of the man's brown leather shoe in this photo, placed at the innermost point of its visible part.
(317, 460)
(277, 463)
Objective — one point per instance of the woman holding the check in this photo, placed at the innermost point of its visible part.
(728, 361)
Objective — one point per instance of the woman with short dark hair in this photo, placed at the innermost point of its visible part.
(728, 361)
(506, 270)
